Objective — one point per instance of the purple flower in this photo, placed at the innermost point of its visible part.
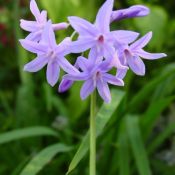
(98, 36)
(131, 56)
(95, 76)
(131, 12)
(50, 54)
(36, 27)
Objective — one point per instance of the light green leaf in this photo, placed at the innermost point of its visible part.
(102, 118)
(26, 132)
(42, 158)
(137, 145)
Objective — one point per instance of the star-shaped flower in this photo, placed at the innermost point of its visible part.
(130, 55)
(50, 54)
(98, 36)
(36, 27)
(95, 76)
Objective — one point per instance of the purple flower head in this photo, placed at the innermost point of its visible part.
(131, 12)
(131, 55)
(95, 76)
(98, 36)
(50, 54)
(36, 27)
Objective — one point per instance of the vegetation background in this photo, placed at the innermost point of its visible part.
(136, 132)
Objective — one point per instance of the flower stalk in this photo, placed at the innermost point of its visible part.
(93, 134)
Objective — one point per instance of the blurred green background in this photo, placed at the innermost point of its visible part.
(137, 139)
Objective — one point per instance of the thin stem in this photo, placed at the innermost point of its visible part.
(93, 135)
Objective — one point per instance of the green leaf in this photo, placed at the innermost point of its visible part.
(42, 158)
(153, 112)
(102, 118)
(161, 137)
(123, 152)
(137, 145)
(26, 132)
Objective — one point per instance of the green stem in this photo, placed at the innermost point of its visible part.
(93, 135)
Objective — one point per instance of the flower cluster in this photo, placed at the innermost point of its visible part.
(119, 50)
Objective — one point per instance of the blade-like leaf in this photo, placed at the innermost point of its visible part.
(161, 138)
(26, 132)
(102, 118)
(137, 145)
(150, 117)
(42, 158)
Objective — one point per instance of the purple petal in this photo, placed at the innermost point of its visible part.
(66, 66)
(136, 65)
(81, 45)
(76, 77)
(53, 72)
(87, 88)
(34, 36)
(82, 26)
(43, 17)
(83, 63)
(60, 26)
(124, 36)
(34, 9)
(150, 56)
(142, 42)
(131, 12)
(33, 47)
(29, 26)
(65, 85)
(104, 15)
(121, 73)
(103, 90)
(48, 35)
(36, 65)
(113, 80)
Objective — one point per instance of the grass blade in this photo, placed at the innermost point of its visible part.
(26, 132)
(137, 145)
(42, 158)
(102, 118)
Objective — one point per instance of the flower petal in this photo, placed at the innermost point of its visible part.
(65, 85)
(131, 12)
(136, 65)
(124, 36)
(121, 73)
(34, 9)
(53, 72)
(82, 26)
(113, 80)
(36, 65)
(43, 17)
(83, 63)
(29, 26)
(60, 26)
(87, 88)
(48, 35)
(81, 45)
(150, 56)
(66, 66)
(142, 42)
(33, 46)
(104, 16)
(34, 36)
(103, 90)
(76, 77)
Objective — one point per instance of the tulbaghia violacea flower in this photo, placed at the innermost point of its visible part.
(36, 27)
(131, 55)
(131, 12)
(98, 37)
(95, 76)
(50, 54)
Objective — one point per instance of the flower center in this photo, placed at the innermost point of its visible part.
(51, 55)
(101, 39)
